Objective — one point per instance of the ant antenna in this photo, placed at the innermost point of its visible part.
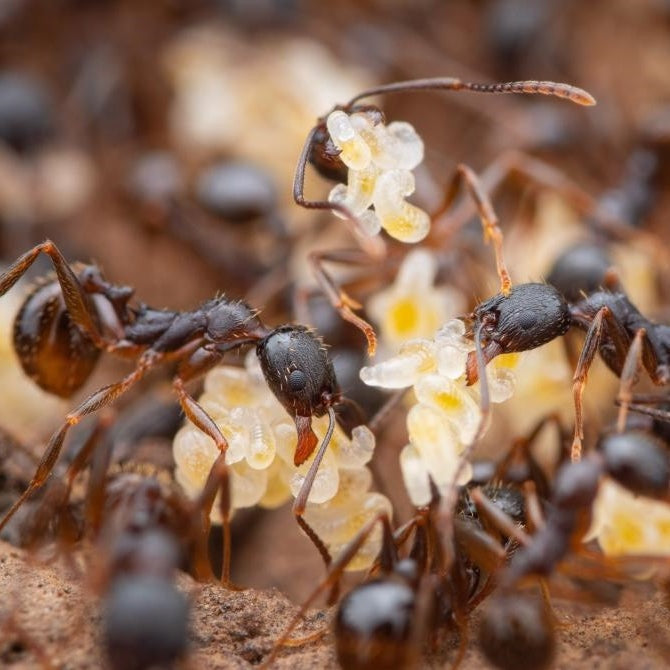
(529, 87)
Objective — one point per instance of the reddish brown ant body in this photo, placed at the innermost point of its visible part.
(66, 323)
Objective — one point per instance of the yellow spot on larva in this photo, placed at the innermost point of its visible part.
(404, 317)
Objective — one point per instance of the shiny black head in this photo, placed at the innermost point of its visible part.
(530, 316)
(373, 626)
(145, 623)
(298, 370)
(516, 632)
(637, 461)
(579, 270)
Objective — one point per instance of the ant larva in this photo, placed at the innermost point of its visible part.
(67, 322)
(352, 140)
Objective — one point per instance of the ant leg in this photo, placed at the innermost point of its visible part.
(97, 400)
(300, 502)
(335, 571)
(73, 294)
(337, 297)
(586, 357)
(489, 219)
(629, 374)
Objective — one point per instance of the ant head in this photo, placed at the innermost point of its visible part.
(228, 321)
(530, 316)
(299, 371)
(373, 625)
(516, 632)
(637, 461)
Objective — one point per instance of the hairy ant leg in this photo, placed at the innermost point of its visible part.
(76, 300)
(464, 175)
(338, 298)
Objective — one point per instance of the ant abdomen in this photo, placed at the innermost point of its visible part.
(373, 626)
(516, 632)
(52, 350)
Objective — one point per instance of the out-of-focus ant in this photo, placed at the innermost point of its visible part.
(321, 152)
(517, 630)
(534, 314)
(384, 622)
(67, 322)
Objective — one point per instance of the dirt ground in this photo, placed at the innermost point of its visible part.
(50, 620)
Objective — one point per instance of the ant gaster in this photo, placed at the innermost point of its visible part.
(67, 322)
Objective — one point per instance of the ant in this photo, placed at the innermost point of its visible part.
(518, 631)
(534, 314)
(320, 150)
(66, 323)
(383, 622)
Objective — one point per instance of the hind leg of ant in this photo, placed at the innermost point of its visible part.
(338, 298)
(335, 570)
(491, 229)
(73, 293)
(97, 400)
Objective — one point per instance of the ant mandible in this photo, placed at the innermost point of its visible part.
(320, 150)
(65, 324)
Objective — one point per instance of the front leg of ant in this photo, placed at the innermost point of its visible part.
(335, 570)
(337, 297)
(492, 232)
(629, 374)
(97, 400)
(73, 293)
(300, 502)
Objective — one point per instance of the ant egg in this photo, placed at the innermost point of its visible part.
(452, 349)
(414, 359)
(358, 451)
(355, 153)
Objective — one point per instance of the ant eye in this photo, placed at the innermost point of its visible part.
(297, 381)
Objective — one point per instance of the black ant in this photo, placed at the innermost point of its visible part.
(67, 322)
(519, 631)
(320, 151)
(534, 314)
(383, 622)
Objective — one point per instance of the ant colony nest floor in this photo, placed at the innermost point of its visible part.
(52, 621)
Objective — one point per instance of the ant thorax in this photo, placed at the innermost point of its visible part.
(446, 416)
(380, 160)
(261, 445)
